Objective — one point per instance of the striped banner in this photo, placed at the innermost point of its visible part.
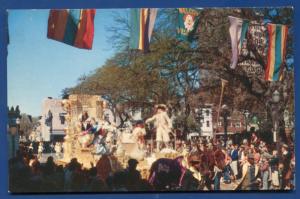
(238, 29)
(276, 52)
(73, 27)
(143, 41)
(142, 24)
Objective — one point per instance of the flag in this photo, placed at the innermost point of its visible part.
(256, 37)
(238, 29)
(73, 27)
(188, 20)
(276, 51)
(142, 25)
(152, 17)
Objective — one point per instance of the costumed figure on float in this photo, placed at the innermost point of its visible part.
(96, 134)
(163, 126)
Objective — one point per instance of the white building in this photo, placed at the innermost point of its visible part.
(52, 121)
(206, 120)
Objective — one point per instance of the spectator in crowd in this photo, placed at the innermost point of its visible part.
(250, 171)
(119, 181)
(234, 155)
(265, 173)
(132, 174)
(246, 162)
(104, 168)
(69, 171)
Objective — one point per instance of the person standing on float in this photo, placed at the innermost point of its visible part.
(163, 126)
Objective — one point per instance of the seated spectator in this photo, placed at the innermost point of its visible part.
(119, 181)
(132, 174)
(94, 183)
(69, 170)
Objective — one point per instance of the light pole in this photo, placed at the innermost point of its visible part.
(275, 100)
(246, 114)
(18, 122)
(16, 137)
(200, 119)
(225, 114)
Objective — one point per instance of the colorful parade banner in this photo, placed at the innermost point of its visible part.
(238, 29)
(276, 51)
(188, 20)
(73, 27)
(142, 25)
(152, 17)
(254, 44)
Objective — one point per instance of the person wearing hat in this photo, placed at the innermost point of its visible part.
(163, 125)
(249, 174)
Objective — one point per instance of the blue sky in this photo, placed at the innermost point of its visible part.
(38, 67)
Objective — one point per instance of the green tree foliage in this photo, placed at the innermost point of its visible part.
(26, 125)
(177, 72)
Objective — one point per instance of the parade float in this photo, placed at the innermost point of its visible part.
(125, 146)
(74, 107)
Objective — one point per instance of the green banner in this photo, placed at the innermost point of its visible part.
(188, 20)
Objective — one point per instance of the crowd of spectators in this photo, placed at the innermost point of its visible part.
(258, 166)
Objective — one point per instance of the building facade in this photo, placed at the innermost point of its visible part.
(52, 120)
(207, 120)
(236, 123)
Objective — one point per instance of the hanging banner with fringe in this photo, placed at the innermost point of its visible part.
(188, 20)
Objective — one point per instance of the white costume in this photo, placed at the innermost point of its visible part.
(163, 125)
(40, 150)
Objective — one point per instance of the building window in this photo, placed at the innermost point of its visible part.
(220, 124)
(207, 113)
(238, 125)
(62, 118)
(207, 123)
